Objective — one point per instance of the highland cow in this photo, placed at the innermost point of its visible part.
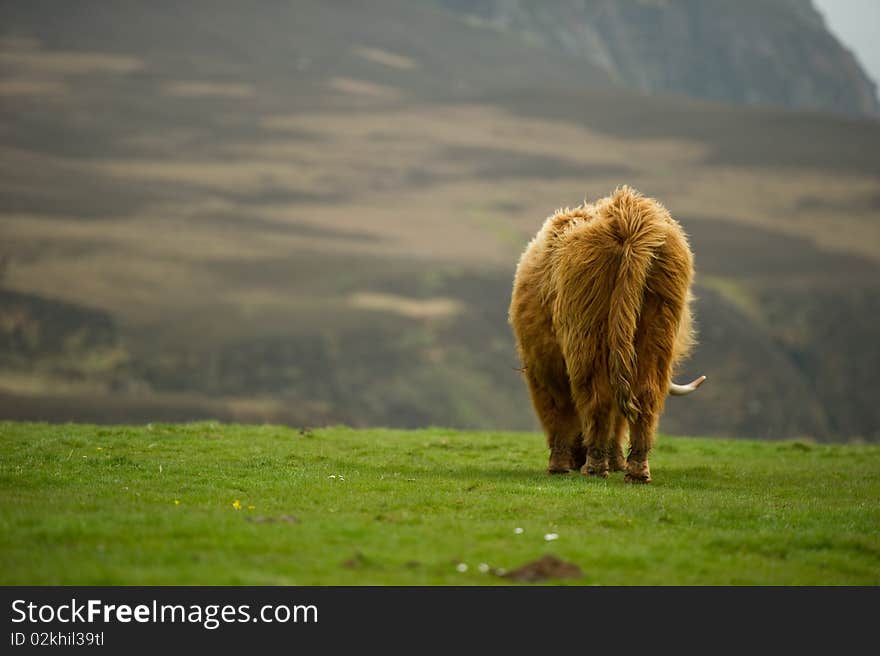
(601, 315)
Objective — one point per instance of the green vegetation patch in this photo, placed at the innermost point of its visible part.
(209, 503)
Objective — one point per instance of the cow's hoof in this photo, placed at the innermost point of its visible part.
(591, 470)
(561, 461)
(559, 464)
(637, 471)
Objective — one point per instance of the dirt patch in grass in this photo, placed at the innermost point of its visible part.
(545, 568)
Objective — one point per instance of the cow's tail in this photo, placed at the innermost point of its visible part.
(636, 235)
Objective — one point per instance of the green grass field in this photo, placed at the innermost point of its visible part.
(219, 504)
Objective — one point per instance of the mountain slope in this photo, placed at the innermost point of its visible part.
(760, 52)
(311, 214)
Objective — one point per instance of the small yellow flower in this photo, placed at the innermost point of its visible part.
(177, 502)
(100, 448)
(252, 507)
(236, 504)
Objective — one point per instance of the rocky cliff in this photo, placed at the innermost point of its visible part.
(754, 52)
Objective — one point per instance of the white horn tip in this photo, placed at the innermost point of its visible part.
(682, 390)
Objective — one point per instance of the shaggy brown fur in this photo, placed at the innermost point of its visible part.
(600, 311)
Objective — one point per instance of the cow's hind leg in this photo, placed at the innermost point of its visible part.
(655, 337)
(597, 422)
(598, 441)
(650, 395)
(559, 418)
(641, 440)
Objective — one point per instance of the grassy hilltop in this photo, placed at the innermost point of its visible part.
(208, 503)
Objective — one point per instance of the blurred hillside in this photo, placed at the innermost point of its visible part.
(311, 212)
(758, 52)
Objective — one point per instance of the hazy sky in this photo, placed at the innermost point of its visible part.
(857, 24)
